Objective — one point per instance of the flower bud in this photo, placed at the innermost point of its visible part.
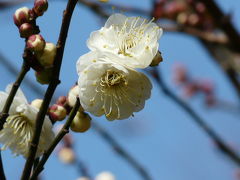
(72, 95)
(66, 155)
(105, 176)
(157, 59)
(57, 112)
(36, 43)
(37, 103)
(46, 58)
(44, 76)
(21, 16)
(26, 30)
(81, 122)
(62, 100)
(40, 6)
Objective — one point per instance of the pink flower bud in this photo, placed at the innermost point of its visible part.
(46, 57)
(57, 112)
(193, 19)
(81, 122)
(72, 95)
(40, 6)
(44, 76)
(62, 100)
(21, 16)
(37, 103)
(180, 75)
(26, 30)
(36, 43)
(190, 89)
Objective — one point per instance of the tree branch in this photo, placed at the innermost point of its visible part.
(4, 114)
(61, 134)
(224, 23)
(196, 118)
(51, 88)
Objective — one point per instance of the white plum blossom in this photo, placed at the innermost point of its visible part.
(133, 39)
(18, 129)
(110, 89)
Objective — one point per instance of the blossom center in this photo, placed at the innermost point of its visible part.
(130, 34)
(111, 79)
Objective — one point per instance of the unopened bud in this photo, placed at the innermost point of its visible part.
(66, 155)
(57, 112)
(81, 122)
(36, 43)
(62, 100)
(26, 30)
(105, 176)
(40, 6)
(44, 76)
(157, 59)
(193, 19)
(37, 103)
(21, 16)
(72, 95)
(47, 56)
(182, 18)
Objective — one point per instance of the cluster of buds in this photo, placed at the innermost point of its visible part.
(41, 54)
(185, 12)
(25, 18)
(62, 107)
(193, 87)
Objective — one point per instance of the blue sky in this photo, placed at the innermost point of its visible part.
(161, 137)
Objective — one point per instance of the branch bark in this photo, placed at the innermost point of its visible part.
(51, 88)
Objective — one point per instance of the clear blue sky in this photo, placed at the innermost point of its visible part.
(162, 137)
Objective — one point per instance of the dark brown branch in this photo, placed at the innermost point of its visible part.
(14, 71)
(196, 118)
(61, 134)
(51, 88)
(224, 23)
(211, 37)
(120, 151)
(4, 114)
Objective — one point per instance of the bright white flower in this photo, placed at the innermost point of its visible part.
(109, 88)
(18, 130)
(133, 39)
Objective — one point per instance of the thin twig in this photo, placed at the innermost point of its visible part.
(4, 114)
(51, 88)
(61, 134)
(120, 151)
(224, 23)
(14, 71)
(196, 118)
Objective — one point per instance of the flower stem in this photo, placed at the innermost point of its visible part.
(67, 15)
(61, 134)
(4, 114)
